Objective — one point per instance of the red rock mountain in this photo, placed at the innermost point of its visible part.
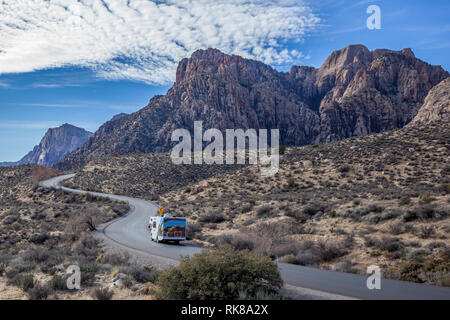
(355, 92)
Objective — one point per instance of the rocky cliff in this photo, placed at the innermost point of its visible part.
(436, 107)
(55, 145)
(355, 92)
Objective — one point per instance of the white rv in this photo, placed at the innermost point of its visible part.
(167, 228)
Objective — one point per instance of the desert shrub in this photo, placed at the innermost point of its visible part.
(212, 217)
(313, 253)
(87, 278)
(385, 243)
(445, 188)
(296, 214)
(102, 294)
(288, 259)
(344, 168)
(347, 266)
(90, 223)
(291, 183)
(404, 200)
(116, 259)
(39, 238)
(410, 216)
(436, 244)
(21, 266)
(57, 283)
(242, 242)
(246, 208)
(390, 213)
(264, 210)
(281, 149)
(419, 254)
(89, 266)
(39, 292)
(140, 274)
(221, 240)
(88, 246)
(396, 228)
(24, 281)
(36, 254)
(305, 259)
(312, 209)
(424, 212)
(78, 224)
(329, 250)
(426, 232)
(427, 199)
(284, 247)
(220, 274)
(192, 229)
(411, 272)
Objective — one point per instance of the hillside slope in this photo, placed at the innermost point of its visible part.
(379, 199)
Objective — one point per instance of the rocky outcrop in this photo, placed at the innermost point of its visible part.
(436, 107)
(355, 92)
(55, 145)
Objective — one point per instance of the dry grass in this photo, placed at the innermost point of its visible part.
(380, 199)
(43, 231)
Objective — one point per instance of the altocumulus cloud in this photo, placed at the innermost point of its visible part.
(144, 40)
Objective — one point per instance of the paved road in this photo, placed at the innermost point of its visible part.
(130, 231)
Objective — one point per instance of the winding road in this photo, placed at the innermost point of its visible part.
(129, 232)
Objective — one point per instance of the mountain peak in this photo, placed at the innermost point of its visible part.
(199, 61)
(408, 52)
(356, 53)
(56, 143)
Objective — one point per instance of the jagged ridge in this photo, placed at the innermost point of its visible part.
(355, 92)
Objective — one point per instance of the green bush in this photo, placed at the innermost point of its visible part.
(220, 274)
(24, 282)
(58, 283)
(259, 295)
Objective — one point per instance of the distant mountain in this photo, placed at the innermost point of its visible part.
(7, 164)
(436, 107)
(55, 145)
(355, 92)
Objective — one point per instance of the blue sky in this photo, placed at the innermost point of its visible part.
(74, 62)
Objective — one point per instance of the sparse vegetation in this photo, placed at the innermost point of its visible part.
(53, 232)
(102, 294)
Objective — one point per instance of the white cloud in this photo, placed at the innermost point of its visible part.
(4, 85)
(53, 85)
(144, 40)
